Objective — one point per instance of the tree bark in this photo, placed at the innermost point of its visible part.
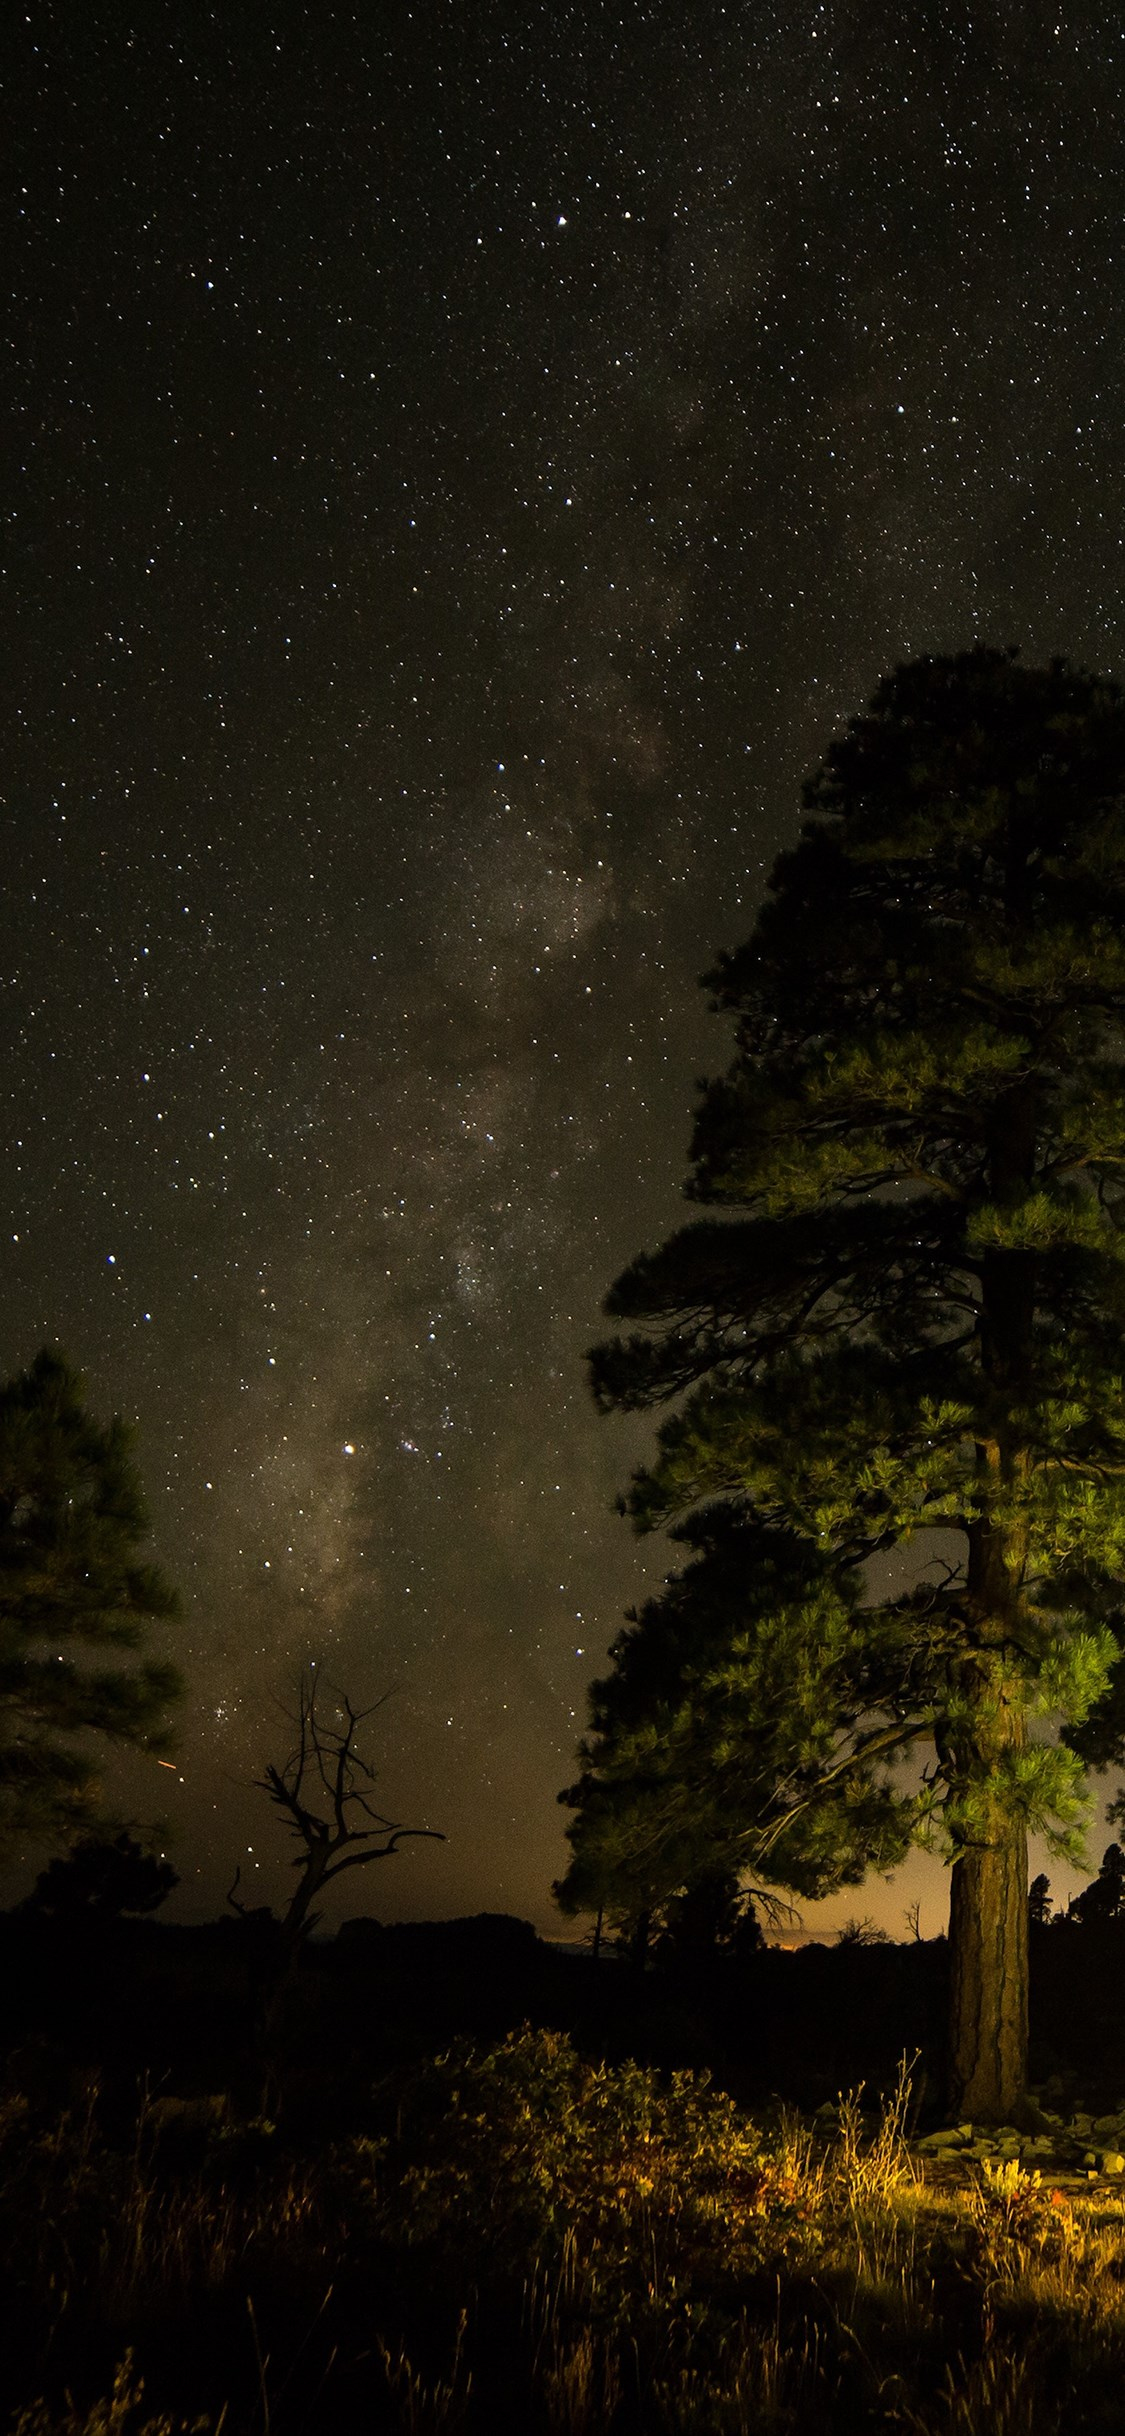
(987, 2027)
(987, 2061)
(987, 2031)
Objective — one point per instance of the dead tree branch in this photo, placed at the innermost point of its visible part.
(324, 1793)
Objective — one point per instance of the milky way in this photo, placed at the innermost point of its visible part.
(467, 462)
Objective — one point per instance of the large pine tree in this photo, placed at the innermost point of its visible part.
(76, 1593)
(896, 1359)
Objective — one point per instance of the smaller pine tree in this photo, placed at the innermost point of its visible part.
(1104, 1898)
(100, 1879)
(1039, 1901)
(75, 1593)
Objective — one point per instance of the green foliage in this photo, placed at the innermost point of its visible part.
(682, 2268)
(718, 1687)
(545, 2148)
(73, 1589)
(903, 1330)
(1012, 2215)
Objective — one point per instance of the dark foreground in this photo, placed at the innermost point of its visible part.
(468, 2183)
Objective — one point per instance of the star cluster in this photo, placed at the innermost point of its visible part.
(465, 462)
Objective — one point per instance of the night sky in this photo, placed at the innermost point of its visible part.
(463, 463)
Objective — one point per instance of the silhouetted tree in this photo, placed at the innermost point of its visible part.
(906, 1327)
(100, 1879)
(74, 1593)
(1104, 1898)
(862, 1932)
(323, 1793)
(711, 1919)
(1039, 1901)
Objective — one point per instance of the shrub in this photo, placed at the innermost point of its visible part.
(537, 2148)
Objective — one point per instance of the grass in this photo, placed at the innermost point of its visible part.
(519, 2240)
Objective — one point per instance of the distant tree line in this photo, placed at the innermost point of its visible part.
(1103, 1899)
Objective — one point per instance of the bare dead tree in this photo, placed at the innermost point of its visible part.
(323, 1791)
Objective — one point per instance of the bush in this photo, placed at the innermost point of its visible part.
(537, 2147)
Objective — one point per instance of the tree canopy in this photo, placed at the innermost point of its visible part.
(894, 1357)
(729, 1727)
(99, 1879)
(75, 1591)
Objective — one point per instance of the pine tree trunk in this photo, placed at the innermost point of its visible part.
(987, 2062)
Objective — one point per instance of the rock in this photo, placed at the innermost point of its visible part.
(1112, 2161)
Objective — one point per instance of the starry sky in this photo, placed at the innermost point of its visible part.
(462, 465)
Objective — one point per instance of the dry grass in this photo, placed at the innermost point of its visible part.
(535, 2246)
(122, 2413)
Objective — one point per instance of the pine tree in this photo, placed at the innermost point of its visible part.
(1104, 1898)
(1039, 1901)
(895, 1355)
(74, 1592)
(735, 1721)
